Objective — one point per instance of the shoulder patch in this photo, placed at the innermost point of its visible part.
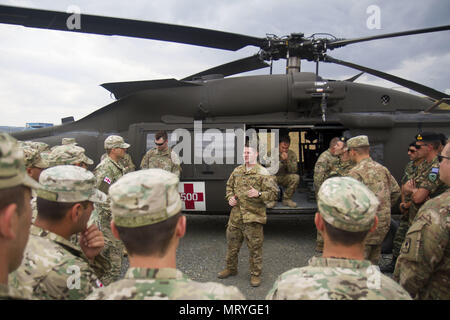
(406, 245)
(432, 176)
(107, 180)
(435, 170)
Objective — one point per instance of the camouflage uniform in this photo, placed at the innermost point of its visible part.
(126, 162)
(342, 168)
(347, 205)
(144, 198)
(427, 178)
(324, 166)
(54, 268)
(409, 173)
(107, 173)
(50, 268)
(68, 154)
(167, 160)
(380, 181)
(287, 175)
(249, 215)
(13, 174)
(423, 267)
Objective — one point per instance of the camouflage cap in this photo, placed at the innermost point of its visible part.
(66, 141)
(38, 145)
(67, 154)
(347, 204)
(144, 197)
(33, 158)
(115, 142)
(12, 167)
(69, 184)
(358, 141)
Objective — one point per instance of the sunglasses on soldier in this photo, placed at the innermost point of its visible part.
(159, 144)
(441, 157)
(411, 150)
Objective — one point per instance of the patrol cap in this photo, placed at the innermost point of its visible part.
(33, 158)
(428, 137)
(358, 141)
(38, 145)
(69, 184)
(12, 167)
(115, 142)
(67, 154)
(347, 204)
(66, 141)
(144, 197)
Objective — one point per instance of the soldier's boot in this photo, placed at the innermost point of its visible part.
(255, 281)
(226, 273)
(289, 203)
(389, 268)
(271, 204)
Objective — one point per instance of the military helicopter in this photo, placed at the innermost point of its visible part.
(311, 109)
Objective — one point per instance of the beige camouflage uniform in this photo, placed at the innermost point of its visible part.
(54, 268)
(348, 205)
(126, 162)
(167, 160)
(107, 173)
(380, 181)
(423, 267)
(287, 175)
(325, 165)
(12, 174)
(144, 198)
(249, 215)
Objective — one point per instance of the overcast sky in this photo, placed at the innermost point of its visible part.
(47, 75)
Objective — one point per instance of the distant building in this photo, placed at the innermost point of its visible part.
(11, 129)
(37, 125)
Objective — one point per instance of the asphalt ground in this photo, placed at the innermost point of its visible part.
(289, 242)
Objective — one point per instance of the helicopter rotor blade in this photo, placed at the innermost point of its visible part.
(344, 42)
(54, 20)
(242, 65)
(430, 92)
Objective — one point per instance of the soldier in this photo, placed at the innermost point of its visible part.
(53, 268)
(34, 163)
(423, 267)
(344, 165)
(324, 166)
(347, 213)
(410, 173)
(126, 162)
(247, 188)
(146, 209)
(287, 173)
(380, 181)
(162, 156)
(107, 173)
(68, 154)
(15, 211)
(426, 183)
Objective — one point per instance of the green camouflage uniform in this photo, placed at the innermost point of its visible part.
(427, 178)
(144, 198)
(409, 173)
(126, 162)
(9, 293)
(165, 283)
(167, 160)
(287, 175)
(347, 205)
(53, 269)
(107, 173)
(423, 267)
(249, 215)
(380, 181)
(323, 168)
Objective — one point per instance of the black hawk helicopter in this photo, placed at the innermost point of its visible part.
(311, 109)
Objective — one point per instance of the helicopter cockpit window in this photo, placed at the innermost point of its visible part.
(151, 140)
